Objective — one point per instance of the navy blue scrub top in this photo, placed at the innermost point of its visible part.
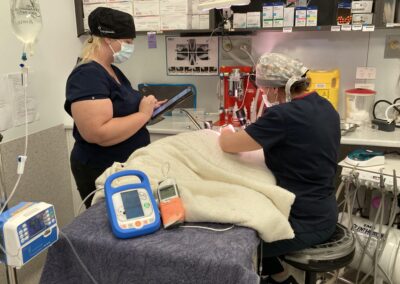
(91, 81)
(301, 142)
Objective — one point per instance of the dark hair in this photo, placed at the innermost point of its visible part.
(300, 86)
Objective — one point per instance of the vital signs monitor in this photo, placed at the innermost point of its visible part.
(132, 209)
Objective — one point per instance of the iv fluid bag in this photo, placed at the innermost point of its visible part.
(26, 20)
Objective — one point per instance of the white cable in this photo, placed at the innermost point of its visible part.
(245, 91)
(244, 49)
(387, 113)
(208, 228)
(237, 59)
(79, 259)
(86, 198)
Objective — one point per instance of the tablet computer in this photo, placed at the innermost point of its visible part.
(172, 103)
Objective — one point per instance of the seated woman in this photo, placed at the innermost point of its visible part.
(300, 135)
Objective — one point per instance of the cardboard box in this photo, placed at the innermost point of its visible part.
(146, 8)
(149, 23)
(204, 22)
(253, 20)
(312, 16)
(169, 7)
(288, 17)
(176, 22)
(278, 14)
(196, 10)
(363, 19)
(195, 22)
(361, 7)
(300, 17)
(268, 16)
(239, 20)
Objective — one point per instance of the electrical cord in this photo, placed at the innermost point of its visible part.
(78, 257)
(86, 198)
(393, 105)
(208, 228)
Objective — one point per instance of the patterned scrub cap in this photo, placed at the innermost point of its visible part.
(277, 70)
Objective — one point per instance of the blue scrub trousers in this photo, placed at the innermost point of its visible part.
(272, 251)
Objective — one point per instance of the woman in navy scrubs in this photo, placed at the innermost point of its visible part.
(109, 115)
(300, 135)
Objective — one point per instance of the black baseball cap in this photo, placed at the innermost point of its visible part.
(111, 23)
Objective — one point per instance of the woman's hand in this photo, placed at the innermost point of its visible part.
(147, 105)
(160, 103)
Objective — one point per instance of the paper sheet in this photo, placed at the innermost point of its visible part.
(6, 114)
(18, 93)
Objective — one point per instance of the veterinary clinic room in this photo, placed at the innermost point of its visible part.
(199, 142)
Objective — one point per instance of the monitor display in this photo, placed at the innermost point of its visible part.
(35, 224)
(167, 192)
(132, 204)
(170, 104)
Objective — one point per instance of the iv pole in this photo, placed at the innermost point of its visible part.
(11, 272)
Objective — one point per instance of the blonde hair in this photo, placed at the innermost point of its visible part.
(91, 46)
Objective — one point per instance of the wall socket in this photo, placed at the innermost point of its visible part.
(392, 46)
(233, 46)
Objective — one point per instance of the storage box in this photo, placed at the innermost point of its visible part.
(312, 16)
(288, 17)
(149, 23)
(268, 15)
(361, 6)
(204, 22)
(239, 20)
(362, 19)
(253, 20)
(301, 17)
(146, 7)
(196, 10)
(195, 22)
(169, 7)
(176, 22)
(278, 14)
(344, 16)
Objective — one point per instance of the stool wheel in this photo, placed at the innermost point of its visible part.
(335, 253)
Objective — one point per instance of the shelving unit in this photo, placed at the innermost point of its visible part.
(215, 19)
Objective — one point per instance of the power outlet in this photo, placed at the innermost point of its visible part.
(392, 46)
(235, 46)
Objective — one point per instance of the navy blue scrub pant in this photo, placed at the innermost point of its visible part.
(272, 251)
(85, 177)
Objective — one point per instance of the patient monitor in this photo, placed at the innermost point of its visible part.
(132, 209)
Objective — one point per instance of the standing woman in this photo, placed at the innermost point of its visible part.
(109, 115)
(300, 136)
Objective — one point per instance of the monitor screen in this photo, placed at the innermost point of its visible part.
(172, 102)
(167, 192)
(132, 204)
(35, 224)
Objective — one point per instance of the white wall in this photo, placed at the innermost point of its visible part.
(343, 50)
(55, 55)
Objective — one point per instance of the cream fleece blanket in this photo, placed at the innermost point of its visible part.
(214, 186)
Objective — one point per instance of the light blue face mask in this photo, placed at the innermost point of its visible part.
(124, 54)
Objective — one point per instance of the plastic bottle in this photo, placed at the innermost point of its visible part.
(26, 20)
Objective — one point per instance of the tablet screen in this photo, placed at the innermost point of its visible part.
(172, 102)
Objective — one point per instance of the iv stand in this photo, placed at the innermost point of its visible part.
(11, 272)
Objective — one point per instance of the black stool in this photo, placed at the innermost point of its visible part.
(334, 254)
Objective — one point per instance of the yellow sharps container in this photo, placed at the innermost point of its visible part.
(326, 84)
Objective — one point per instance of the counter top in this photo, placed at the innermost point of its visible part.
(361, 136)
